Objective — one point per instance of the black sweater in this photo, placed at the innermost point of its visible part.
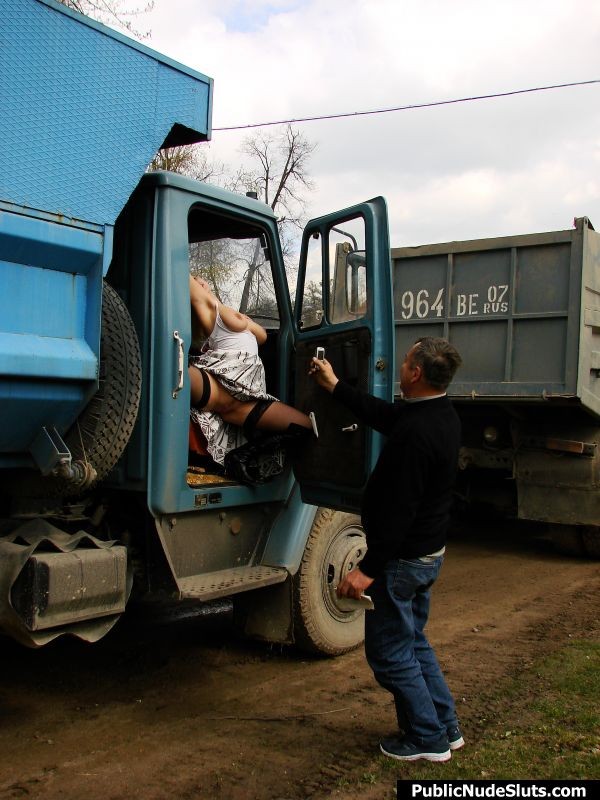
(407, 499)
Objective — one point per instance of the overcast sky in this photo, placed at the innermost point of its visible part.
(486, 168)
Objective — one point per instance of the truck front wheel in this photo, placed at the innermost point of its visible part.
(576, 540)
(322, 625)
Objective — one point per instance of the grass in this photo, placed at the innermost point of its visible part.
(543, 723)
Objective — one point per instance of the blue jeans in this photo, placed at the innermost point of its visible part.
(399, 654)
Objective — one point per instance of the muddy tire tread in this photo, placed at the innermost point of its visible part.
(107, 422)
(308, 635)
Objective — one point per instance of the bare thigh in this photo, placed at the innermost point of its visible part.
(277, 417)
(220, 401)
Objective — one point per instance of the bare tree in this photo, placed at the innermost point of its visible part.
(213, 259)
(113, 12)
(281, 180)
(276, 169)
(188, 159)
(312, 304)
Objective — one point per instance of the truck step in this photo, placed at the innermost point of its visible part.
(229, 581)
(197, 476)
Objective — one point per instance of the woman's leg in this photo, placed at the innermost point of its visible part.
(279, 416)
(209, 395)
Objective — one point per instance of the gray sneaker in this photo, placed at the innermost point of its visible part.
(455, 738)
(403, 749)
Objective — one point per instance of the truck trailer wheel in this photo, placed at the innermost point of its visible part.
(335, 545)
(567, 539)
(104, 426)
(576, 540)
(590, 537)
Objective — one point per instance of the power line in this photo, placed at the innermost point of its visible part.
(409, 107)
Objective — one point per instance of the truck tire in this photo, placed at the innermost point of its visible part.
(335, 545)
(104, 426)
(590, 537)
(567, 539)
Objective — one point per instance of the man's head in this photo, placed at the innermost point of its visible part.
(428, 367)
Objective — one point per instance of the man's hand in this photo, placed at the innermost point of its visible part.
(323, 373)
(354, 584)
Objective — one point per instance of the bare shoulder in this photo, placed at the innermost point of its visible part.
(203, 308)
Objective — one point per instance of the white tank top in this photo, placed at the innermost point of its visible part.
(221, 338)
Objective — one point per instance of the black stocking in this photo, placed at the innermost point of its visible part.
(272, 416)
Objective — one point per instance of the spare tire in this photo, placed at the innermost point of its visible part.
(104, 427)
(99, 435)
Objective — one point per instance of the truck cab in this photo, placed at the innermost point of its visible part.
(219, 537)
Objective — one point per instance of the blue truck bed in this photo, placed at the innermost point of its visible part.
(84, 110)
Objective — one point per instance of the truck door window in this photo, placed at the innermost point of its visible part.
(234, 258)
(312, 297)
(349, 275)
(345, 275)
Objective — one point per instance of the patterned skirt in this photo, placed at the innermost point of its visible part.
(243, 376)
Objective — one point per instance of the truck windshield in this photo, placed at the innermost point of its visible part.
(234, 258)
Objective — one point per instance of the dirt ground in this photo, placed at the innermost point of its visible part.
(184, 709)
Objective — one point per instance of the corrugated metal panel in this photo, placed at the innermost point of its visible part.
(523, 311)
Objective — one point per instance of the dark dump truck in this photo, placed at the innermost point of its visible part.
(524, 312)
(101, 501)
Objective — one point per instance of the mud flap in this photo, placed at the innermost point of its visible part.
(266, 614)
(39, 542)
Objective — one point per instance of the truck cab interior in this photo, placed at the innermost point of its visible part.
(234, 257)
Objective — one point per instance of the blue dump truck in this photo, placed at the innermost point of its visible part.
(101, 500)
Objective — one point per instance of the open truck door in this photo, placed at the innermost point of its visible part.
(343, 305)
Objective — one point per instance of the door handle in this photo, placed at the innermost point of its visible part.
(177, 338)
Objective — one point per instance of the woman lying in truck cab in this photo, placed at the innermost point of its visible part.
(228, 391)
